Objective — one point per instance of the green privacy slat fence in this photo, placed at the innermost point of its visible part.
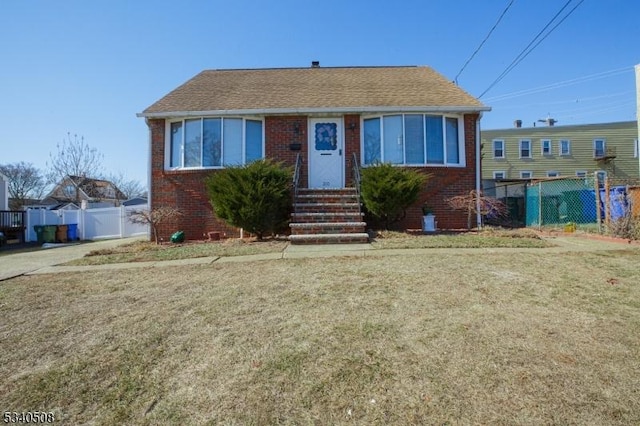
(560, 201)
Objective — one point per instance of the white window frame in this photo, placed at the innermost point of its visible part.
(493, 145)
(522, 141)
(523, 172)
(542, 150)
(604, 147)
(499, 172)
(560, 151)
(553, 173)
(462, 154)
(581, 173)
(636, 148)
(167, 141)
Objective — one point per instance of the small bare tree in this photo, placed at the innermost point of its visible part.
(74, 158)
(475, 202)
(129, 187)
(154, 217)
(25, 181)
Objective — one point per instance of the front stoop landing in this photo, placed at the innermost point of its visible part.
(327, 216)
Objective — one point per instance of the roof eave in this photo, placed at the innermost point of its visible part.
(322, 110)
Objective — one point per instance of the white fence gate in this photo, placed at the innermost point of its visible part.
(93, 224)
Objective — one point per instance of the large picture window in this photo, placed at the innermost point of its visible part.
(214, 142)
(413, 139)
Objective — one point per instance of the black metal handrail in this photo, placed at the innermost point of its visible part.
(297, 171)
(355, 166)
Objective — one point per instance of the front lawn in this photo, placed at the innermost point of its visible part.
(489, 238)
(473, 338)
(145, 251)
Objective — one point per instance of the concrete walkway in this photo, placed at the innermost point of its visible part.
(16, 264)
(45, 261)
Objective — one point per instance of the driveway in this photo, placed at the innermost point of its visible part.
(13, 265)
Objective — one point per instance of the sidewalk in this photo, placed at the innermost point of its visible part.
(46, 263)
(16, 264)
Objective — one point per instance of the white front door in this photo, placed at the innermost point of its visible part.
(326, 149)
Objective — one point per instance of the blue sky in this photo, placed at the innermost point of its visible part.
(87, 67)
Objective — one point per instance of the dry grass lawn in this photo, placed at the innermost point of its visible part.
(488, 238)
(434, 339)
(145, 251)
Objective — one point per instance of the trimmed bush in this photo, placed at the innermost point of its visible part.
(388, 190)
(255, 197)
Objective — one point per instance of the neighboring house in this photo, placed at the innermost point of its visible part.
(137, 201)
(74, 190)
(568, 151)
(410, 116)
(4, 192)
(49, 204)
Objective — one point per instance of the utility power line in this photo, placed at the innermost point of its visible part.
(575, 101)
(627, 105)
(483, 41)
(528, 49)
(557, 85)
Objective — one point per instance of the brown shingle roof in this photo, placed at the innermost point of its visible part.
(313, 89)
(98, 188)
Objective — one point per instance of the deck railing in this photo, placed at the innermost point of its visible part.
(297, 172)
(355, 167)
(12, 219)
(12, 223)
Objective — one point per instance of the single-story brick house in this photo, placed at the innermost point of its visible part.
(410, 116)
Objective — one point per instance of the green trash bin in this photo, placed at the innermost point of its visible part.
(39, 229)
(50, 233)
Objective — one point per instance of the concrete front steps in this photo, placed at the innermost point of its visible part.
(327, 216)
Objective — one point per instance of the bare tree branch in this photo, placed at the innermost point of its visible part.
(154, 217)
(129, 187)
(471, 201)
(74, 157)
(25, 181)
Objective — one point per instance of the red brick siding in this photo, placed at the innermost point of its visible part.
(351, 144)
(182, 189)
(280, 133)
(446, 182)
(186, 189)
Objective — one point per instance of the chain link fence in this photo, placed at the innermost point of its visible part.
(595, 202)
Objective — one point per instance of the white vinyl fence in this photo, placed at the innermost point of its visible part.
(93, 224)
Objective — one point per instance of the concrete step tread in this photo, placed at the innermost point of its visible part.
(321, 196)
(329, 190)
(326, 204)
(329, 238)
(308, 214)
(325, 224)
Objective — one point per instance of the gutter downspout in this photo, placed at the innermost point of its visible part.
(637, 68)
(149, 172)
(478, 173)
